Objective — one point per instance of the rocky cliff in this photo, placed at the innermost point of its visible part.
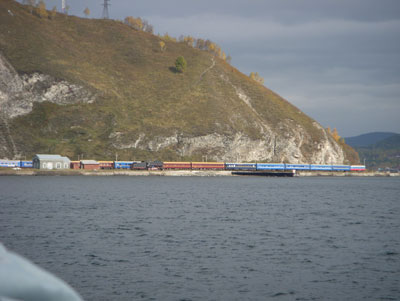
(60, 99)
(19, 92)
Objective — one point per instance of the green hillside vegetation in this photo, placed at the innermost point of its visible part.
(138, 88)
(368, 139)
(383, 154)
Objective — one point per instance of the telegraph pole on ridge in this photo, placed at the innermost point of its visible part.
(105, 9)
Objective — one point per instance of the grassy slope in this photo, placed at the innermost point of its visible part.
(139, 92)
(383, 154)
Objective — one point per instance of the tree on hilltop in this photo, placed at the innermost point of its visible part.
(86, 12)
(41, 9)
(255, 76)
(135, 23)
(147, 27)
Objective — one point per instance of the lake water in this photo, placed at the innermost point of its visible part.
(209, 238)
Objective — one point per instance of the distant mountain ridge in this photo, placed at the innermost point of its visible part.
(392, 142)
(368, 139)
(378, 150)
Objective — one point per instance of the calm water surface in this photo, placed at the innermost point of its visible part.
(223, 238)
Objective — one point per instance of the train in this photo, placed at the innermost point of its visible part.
(256, 166)
(159, 165)
(16, 163)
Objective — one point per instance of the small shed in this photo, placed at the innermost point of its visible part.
(90, 164)
(43, 161)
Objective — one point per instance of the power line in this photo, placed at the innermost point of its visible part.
(105, 9)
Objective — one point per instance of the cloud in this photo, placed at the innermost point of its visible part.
(237, 28)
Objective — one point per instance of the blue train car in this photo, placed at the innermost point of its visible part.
(241, 166)
(297, 166)
(26, 164)
(357, 167)
(270, 166)
(123, 164)
(341, 167)
(10, 163)
(321, 167)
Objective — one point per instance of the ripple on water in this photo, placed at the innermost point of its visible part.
(128, 238)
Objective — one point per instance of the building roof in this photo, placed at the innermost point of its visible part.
(51, 157)
(89, 162)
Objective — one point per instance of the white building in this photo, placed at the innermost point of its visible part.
(51, 162)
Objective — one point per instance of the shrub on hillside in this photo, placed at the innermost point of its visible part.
(180, 64)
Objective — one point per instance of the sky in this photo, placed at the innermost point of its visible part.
(336, 60)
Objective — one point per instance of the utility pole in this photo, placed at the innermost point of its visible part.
(105, 9)
(63, 6)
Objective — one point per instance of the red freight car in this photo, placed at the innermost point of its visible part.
(177, 165)
(208, 165)
(106, 164)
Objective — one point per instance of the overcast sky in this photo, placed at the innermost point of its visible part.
(337, 60)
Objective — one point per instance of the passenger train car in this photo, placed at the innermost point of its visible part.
(158, 165)
(16, 164)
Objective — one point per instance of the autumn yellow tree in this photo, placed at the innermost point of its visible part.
(255, 76)
(189, 40)
(86, 12)
(335, 135)
(41, 9)
(135, 23)
(162, 45)
(223, 56)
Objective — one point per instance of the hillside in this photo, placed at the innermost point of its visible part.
(99, 88)
(368, 139)
(383, 154)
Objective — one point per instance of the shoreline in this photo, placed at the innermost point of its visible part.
(179, 173)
